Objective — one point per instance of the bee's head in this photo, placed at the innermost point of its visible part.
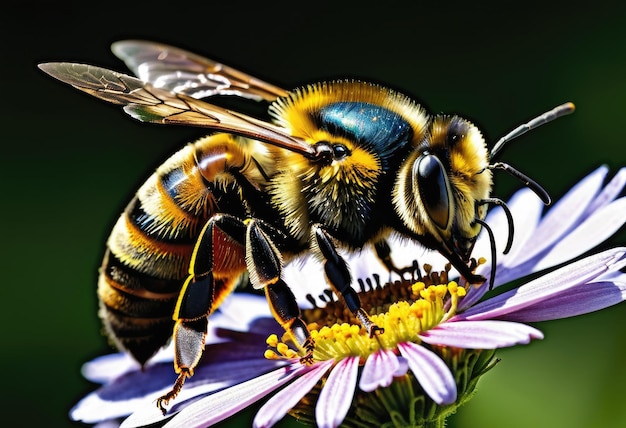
(359, 132)
(441, 187)
(444, 187)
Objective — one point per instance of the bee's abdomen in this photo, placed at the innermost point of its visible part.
(136, 309)
(148, 254)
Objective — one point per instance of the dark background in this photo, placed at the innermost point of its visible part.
(70, 163)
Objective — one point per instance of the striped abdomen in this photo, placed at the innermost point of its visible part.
(150, 247)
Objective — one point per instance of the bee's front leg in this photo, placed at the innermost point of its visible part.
(383, 252)
(264, 264)
(339, 278)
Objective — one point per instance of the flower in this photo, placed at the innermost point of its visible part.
(439, 336)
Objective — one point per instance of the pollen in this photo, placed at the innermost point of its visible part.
(404, 309)
(278, 349)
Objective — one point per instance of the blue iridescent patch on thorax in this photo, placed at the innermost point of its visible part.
(372, 126)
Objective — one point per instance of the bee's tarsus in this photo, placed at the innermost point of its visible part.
(367, 323)
(475, 279)
(307, 360)
(375, 330)
(162, 401)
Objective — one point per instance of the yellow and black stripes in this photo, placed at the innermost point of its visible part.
(151, 245)
(136, 308)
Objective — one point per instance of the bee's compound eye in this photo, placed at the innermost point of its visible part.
(432, 184)
(340, 151)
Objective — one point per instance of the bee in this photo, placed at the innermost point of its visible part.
(342, 164)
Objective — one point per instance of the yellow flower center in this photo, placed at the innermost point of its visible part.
(403, 309)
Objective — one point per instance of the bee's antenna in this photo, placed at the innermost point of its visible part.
(548, 116)
(528, 182)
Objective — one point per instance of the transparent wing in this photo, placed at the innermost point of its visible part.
(179, 71)
(147, 103)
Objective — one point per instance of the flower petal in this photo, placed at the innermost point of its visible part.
(599, 226)
(547, 286)
(121, 396)
(379, 370)
(562, 216)
(335, 399)
(220, 405)
(403, 366)
(578, 300)
(610, 191)
(106, 368)
(480, 334)
(284, 400)
(431, 372)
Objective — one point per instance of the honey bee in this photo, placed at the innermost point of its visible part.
(342, 164)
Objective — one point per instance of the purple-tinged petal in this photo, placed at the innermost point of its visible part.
(105, 368)
(578, 300)
(431, 372)
(285, 399)
(609, 192)
(123, 395)
(92, 409)
(216, 407)
(108, 424)
(563, 215)
(379, 370)
(547, 286)
(474, 294)
(336, 396)
(403, 366)
(480, 334)
(596, 228)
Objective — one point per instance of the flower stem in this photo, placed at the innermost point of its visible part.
(438, 423)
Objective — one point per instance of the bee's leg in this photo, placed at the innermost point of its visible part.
(215, 250)
(339, 278)
(265, 266)
(383, 251)
(286, 311)
(188, 346)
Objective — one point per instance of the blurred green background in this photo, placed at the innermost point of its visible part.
(70, 163)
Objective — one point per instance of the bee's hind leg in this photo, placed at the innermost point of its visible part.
(189, 339)
(216, 263)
